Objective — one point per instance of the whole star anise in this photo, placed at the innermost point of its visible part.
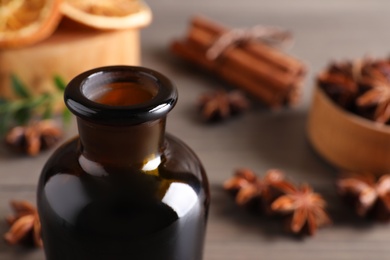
(304, 208)
(377, 79)
(33, 138)
(339, 82)
(248, 187)
(25, 224)
(369, 195)
(221, 104)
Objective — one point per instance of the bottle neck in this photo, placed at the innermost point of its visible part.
(119, 147)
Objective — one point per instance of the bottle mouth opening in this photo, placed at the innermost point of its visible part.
(119, 89)
(120, 95)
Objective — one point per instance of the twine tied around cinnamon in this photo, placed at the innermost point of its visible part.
(270, 35)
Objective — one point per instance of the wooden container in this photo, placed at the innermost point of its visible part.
(72, 49)
(345, 140)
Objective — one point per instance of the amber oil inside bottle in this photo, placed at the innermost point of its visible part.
(122, 94)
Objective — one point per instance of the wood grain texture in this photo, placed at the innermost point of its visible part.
(260, 139)
(339, 137)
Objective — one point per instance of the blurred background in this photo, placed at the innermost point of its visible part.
(260, 139)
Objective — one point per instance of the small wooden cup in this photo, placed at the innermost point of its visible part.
(345, 140)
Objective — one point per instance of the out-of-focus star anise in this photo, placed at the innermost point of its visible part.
(25, 225)
(369, 195)
(338, 81)
(221, 104)
(33, 138)
(305, 209)
(377, 79)
(248, 187)
(362, 87)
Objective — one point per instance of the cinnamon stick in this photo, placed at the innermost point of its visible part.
(263, 71)
(269, 97)
(261, 51)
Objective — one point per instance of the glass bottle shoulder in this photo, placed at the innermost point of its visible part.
(176, 190)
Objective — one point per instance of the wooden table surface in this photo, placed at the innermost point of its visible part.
(260, 139)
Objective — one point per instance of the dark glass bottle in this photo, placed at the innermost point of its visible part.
(123, 189)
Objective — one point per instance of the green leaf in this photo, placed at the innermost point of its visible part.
(22, 116)
(11, 107)
(4, 106)
(19, 88)
(5, 121)
(48, 112)
(66, 116)
(59, 83)
(22, 110)
(3, 101)
(37, 101)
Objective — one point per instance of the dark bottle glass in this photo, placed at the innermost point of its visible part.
(123, 189)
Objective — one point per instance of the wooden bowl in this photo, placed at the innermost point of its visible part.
(345, 140)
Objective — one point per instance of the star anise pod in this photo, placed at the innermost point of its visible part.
(25, 224)
(376, 79)
(248, 188)
(369, 195)
(339, 82)
(33, 138)
(221, 104)
(304, 208)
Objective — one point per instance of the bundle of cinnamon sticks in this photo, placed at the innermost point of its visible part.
(265, 72)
